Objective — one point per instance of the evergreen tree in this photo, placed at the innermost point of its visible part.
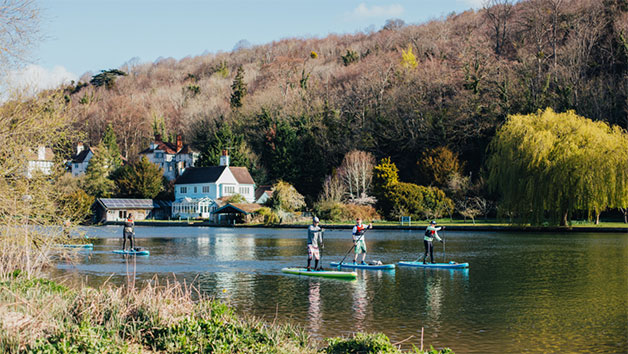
(97, 182)
(141, 180)
(238, 89)
(211, 140)
(109, 140)
(107, 78)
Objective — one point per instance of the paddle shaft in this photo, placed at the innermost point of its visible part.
(349, 251)
(444, 249)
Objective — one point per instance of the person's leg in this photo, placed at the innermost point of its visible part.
(132, 240)
(309, 256)
(123, 241)
(356, 251)
(317, 258)
(431, 246)
(427, 247)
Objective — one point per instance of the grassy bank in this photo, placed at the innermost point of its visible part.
(39, 315)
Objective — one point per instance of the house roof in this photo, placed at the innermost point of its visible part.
(240, 208)
(187, 149)
(259, 191)
(81, 156)
(193, 175)
(116, 203)
(169, 148)
(48, 155)
(242, 175)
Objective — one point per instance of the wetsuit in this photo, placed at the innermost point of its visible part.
(314, 241)
(129, 233)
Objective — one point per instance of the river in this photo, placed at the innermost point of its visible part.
(523, 292)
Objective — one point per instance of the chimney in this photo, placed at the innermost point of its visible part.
(224, 159)
(179, 143)
(41, 153)
(79, 148)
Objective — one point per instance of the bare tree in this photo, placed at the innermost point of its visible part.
(19, 31)
(499, 14)
(356, 172)
(333, 189)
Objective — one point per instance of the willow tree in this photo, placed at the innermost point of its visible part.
(548, 165)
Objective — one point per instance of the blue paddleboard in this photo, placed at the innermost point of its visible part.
(137, 253)
(86, 245)
(363, 266)
(450, 265)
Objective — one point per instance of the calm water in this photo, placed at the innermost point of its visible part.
(525, 293)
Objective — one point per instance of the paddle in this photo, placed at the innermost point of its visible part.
(320, 251)
(352, 246)
(444, 250)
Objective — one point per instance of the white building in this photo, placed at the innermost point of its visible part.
(199, 190)
(174, 159)
(41, 161)
(80, 161)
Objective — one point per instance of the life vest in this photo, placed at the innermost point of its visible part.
(359, 230)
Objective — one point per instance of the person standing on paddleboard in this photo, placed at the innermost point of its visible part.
(431, 233)
(358, 239)
(128, 232)
(314, 241)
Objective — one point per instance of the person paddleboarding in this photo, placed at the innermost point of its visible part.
(314, 242)
(358, 239)
(128, 232)
(431, 233)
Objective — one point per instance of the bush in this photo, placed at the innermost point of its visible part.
(418, 201)
(361, 343)
(336, 211)
(269, 216)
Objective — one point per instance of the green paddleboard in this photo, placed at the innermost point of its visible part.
(321, 273)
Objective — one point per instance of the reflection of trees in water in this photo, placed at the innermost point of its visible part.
(433, 298)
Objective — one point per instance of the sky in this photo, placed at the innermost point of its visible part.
(86, 36)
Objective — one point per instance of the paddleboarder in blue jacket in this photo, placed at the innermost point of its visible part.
(431, 233)
(314, 241)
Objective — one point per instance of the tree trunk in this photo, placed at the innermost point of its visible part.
(564, 221)
(597, 218)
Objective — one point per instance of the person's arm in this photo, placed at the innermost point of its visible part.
(355, 230)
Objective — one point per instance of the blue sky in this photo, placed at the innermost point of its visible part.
(91, 35)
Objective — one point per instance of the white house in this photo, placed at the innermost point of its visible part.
(199, 190)
(42, 161)
(174, 159)
(80, 161)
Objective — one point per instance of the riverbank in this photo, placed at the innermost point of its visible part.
(41, 315)
(456, 225)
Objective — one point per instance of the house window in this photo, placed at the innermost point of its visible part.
(229, 189)
(195, 191)
(205, 189)
(184, 190)
(244, 190)
(170, 168)
(75, 165)
(159, 155)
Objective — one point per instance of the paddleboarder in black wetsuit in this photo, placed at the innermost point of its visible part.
(128, 232)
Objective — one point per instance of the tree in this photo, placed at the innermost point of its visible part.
(19, 31)
(107, 78)
(286, 197)
(110, 142)
(97, 182)
(140, 180)
(408, 59)
(211, 138)
(499, 14)
(437, 165)
(238, 89)
(554, 164)
(356, 172)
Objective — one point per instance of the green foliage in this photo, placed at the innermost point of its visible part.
(238, 89)
(313, 55)
(336, 211)
(222, 70)
(270, 217)
(552, 164)
(286, 197)
(97, 182)
(193, 90)
(140, 180)
(110, 141)
(280, 147)
(159, 126)
(77, 205)
(236, 198)
(80, 339)
(350, 57)
(212, 138)
(361, 343)
(107, 78)
(437, 165)
(385, 175)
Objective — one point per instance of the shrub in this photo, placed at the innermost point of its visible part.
(269, 216)
(361, 343)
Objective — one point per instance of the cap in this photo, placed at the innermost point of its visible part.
(433, 222)
(315, 219)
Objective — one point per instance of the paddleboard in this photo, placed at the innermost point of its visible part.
(321, 273)
(364, 266)
(137, 253)
(85, 245)
(450, 265)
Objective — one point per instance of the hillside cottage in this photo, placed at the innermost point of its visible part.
(199, 190)
(80, 161)
(40, 161)
(174, 159)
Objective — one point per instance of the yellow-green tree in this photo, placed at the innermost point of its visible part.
(551, 164)
(408, 60)
(437, 165)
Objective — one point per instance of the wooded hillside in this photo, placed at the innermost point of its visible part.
(299, 105)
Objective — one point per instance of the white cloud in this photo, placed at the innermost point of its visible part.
(365, 11)
(35, 78)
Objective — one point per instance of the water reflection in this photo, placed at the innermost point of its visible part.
(528, 292)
